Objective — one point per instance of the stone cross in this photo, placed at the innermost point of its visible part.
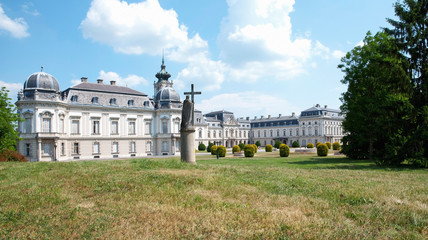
(193, 93)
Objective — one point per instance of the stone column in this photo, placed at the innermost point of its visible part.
(188, 146)
(39, 150)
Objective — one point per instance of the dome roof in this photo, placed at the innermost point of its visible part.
(41, 80)
(167, 94)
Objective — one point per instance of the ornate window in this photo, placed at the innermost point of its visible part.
(112, 101)
(148, 146)
(76, 148)
(96, 148)
(164, 146)
(164, 126)
(131, 127)
(27, 149)
(114, 127)
(46, 122)
(132, 147)
(94, 100)
(75, 125)
(148, 128)
(96, 126)
(115, 147)
(130, 103)
(74, 98)
(47, 149)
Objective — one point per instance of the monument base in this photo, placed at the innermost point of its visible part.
(188, 153)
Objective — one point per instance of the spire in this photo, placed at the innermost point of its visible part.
(163, 74)
(41, 69)
(163, 57)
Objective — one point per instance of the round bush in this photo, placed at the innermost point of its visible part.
(235, 149)
(10, 155)
(322, 150)
(284, 150)
(310, 145)
(295, 144)
(336, 146)
(258, 144)
(277, 144)
(318, 143)
(210, 145)
(328, 145)
(201, 147)
(255, 148)
(222, 151)
(249, 150)
(241, 146)
(214, 150)
(268, 148)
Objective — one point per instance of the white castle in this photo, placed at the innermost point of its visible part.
(104, 121)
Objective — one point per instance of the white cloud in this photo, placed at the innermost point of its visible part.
(17, 27)
(338, 54)
(131, 80)
(28, 8)
(146, 28)
(247, 104)
(138, 28)
(256, 40)
(13, 89)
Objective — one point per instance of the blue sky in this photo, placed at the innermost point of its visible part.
(252, 57)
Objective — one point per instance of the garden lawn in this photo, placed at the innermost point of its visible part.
(265, 197)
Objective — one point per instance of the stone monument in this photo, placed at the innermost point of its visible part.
(187, 129)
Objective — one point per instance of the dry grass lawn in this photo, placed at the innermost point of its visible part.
(265, 197)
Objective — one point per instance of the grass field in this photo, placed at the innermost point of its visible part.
(265, 197)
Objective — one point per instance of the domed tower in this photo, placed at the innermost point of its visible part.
(165, 95)
(40, 85)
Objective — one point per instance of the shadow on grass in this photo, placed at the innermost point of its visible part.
(346, 163)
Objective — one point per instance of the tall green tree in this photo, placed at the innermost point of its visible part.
(9, 119)
(377, 102)
(410, 31)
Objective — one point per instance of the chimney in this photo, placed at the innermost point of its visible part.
(248, 118)
(268, 116)
(317, 105)
(99, 81)
(292, 114)
(261, 117)
(255, 117)
(84, 79)
(325, 106)
(279, 115)
(113, 83)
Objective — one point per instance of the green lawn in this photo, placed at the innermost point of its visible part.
(265, 197)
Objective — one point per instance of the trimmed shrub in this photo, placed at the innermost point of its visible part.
(284, 150)
(221, 151)
(310, 145)
(10, 155)
(255, 148)
(336, 146)
(235, 149)
(318, 143)
(328, 145)
(202, 147)
(210, 145)
(214, 150)
(277, 144)
(322, 150)
(268, 148)
(241, 146)
(249, 150)
(295, 144)
(258, 144)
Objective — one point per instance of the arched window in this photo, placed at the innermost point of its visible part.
(74, 98)
(94, 100)
(112, 101)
